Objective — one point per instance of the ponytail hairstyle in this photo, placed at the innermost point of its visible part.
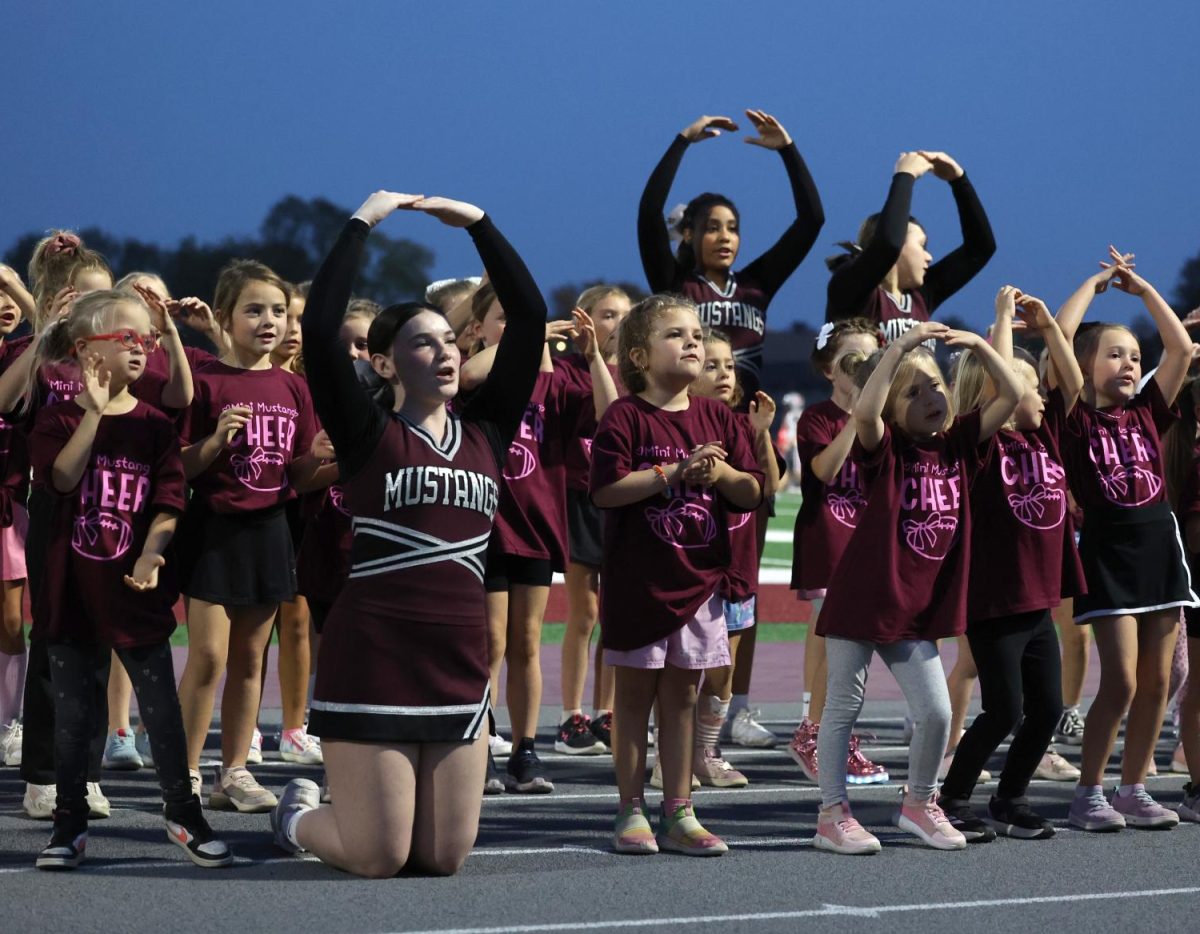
(1179, 442)
(234, 277)
(853, 248)
(695, 216)
(635, 335)
(971, 380)
(1086, 345)
(91, 314)
(50, 264)
(860, 368)
(481, 303)
(829, 338)
(715, 336)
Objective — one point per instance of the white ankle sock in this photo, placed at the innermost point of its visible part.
(738, 703)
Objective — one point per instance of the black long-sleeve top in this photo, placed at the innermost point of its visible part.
(740, 309)
(354, 422)
(854, 288)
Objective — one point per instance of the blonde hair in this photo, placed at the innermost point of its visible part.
(130, 279)
(591, 297)
(1087, 345)
(918, 360)
(971, 380)
(236, 275)
(361, 308)
(714, 336)
(635, 335)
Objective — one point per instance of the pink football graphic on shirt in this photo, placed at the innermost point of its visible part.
(336, 497)
(521, 462)
(101, 535)
(930, 537)
(682, 524)
(253, 470)
(1130, 486)
(739, 519)
(844, 506)
(1041, 507)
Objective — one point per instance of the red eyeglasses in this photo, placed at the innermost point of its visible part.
(129, 338)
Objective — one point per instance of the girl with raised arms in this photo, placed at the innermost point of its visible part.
(833, 486)
(111, 466)
(902, 579)
(1133, 559)
(402, 692)
(669, 468)
(886, 274)
(1021, 533)
(702, 268)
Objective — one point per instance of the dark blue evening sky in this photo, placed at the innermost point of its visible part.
(1076, 121)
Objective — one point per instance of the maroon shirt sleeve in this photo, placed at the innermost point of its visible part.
(170, 486)
(612, 449)
(51, 432)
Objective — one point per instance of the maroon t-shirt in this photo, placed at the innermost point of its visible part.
(1023, 555)
(666, 555)
(157, 372)
(830, 512)
(532, 521)
(98, 530)
(741, 578)
(251, 472)
(904, 573)
(894, 318)
(323, 559)
(578, 454)
(14, 450)
(1113, 456)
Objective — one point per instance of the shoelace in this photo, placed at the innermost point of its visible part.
(712, 756)
(857, 758)
(1143, 798)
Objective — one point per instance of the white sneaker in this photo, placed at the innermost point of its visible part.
(746, 731)
(254, 755)
(1055, 768)
(141, 742)
(39, 801)
(99, 806)
(499, 745)
(656, 780)
(11, 737)
(298, 746)
(237, 790)
(299, 796)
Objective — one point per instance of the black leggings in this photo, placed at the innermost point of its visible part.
(1020, 680)
(79, 672)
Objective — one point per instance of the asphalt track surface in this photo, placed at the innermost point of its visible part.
(542, 864)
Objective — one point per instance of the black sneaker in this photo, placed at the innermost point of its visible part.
(963, 819)
(575, 737)
(523, 774)
(67, 845)
(601, 728)
(187, 828)
(1013, 817)
(492, 785)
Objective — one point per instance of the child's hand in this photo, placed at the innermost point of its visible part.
(231, 421)
(965, 339)
(145, 573)
(382, 203)
(944, 167)
(584, 333)
(1193, 319)
(450, 213)
(913, 163)
(160, 319)
(762, 411)
(1033, 312)
(771, 134)
(194, 313)
(322, 447)
(1108, 271)
(64, 298)
(700, 468)
(10, 282)
(559, 329)
(706, 128)
(96, 378)
(1006, 301)
(926, 330)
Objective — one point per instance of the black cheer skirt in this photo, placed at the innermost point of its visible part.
(1134, 563)
(240, 559)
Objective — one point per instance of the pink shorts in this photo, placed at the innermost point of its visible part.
(12, 546)
(702, 643)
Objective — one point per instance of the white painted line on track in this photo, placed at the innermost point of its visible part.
(825, 911)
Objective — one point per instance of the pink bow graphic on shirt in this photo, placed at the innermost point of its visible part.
(682, 524)
(845, 506)
(250, 467)
(87, 527)
(1028, 506)
(922, 536)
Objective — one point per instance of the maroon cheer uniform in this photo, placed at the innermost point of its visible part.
(404, 650)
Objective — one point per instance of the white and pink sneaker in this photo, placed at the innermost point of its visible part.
(839, 832)
(926, 820)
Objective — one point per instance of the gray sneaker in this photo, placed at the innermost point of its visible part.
(120, 752)
(299, 796)
(236, 790)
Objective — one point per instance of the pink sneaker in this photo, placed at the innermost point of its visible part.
(803, 748)
(839, 832)
(860, 770)
(1141, 810)
(926, 820)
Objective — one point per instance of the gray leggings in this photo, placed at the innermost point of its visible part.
(918, 670)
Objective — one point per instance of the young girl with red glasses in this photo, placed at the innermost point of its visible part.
(110, 466)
